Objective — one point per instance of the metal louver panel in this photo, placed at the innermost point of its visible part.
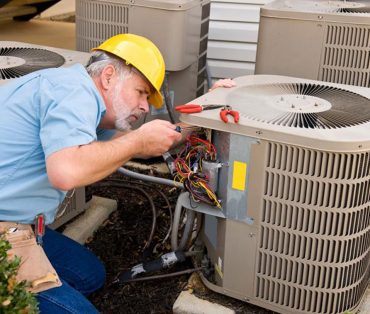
(346, 55)
(313, 251)
(18, 61)
(96, 21)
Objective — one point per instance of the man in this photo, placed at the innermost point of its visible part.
(55, 135)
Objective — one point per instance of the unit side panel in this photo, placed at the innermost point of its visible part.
(289, 47)
(239, 264)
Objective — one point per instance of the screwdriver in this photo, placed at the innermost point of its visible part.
(180, 129)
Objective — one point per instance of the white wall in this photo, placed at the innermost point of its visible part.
(232, 38)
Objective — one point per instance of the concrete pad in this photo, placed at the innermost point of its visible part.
(188, 303)
(365, 306)
(85, 225)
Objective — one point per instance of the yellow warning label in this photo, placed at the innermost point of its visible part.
(239, 175)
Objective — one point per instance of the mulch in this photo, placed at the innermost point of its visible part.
(120, 244)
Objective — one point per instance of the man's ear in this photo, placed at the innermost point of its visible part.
(107, 76)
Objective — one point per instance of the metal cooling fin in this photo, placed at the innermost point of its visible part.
(301, 105)
(18, 61)
(330, 6)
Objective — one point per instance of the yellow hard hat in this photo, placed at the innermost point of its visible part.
(143, 55)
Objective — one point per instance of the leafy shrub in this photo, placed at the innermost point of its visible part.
(14, 298)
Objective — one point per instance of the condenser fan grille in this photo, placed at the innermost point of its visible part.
(354, 10)
(359, 6)
(18, 61)
(328, 6)
(301, 105)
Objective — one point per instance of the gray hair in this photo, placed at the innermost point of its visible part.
(100, 59)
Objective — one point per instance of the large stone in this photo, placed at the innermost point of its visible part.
(85, 225)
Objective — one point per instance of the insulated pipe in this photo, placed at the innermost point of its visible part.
(176, 223)
(145, 177)
(188, 229)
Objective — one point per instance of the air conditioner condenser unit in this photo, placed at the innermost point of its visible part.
(178, 28)
(174, 26)
(293, 232)
(321, 40)
(18, 59)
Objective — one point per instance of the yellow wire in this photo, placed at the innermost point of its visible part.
(210, 194)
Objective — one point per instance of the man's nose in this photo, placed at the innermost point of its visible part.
(144, 105)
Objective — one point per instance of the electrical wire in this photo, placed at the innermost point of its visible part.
(178, 273)
(154, 211)
(159, 192)
(167, 98)
(188, 165)
(171, 216)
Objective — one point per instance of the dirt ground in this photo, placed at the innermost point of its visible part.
(120, 243)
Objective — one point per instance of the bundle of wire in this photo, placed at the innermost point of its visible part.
(188, 164)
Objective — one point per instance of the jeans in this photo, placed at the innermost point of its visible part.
(80, 271)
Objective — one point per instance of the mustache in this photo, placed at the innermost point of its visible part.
(139, 114)
(123, 123)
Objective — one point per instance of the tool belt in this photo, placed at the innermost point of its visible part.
(35, 267)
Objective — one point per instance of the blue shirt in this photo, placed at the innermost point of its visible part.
(41, 113)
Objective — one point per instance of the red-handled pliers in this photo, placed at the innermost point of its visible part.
(227, 110)
(194, 108)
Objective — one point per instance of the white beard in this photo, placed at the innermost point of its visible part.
(122, 113)
(122, 123)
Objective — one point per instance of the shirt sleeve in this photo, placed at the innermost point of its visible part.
(69, 116)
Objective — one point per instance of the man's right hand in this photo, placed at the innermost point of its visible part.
(157, 137)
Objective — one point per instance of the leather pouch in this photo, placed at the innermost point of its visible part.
(35, 267)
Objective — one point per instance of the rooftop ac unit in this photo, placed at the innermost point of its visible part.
(179, 29)
(18, 59)
(323, 40)
(293, 232)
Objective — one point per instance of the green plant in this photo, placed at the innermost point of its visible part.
(14, 298)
